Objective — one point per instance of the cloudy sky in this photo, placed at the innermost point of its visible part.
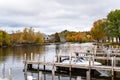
(50, 16)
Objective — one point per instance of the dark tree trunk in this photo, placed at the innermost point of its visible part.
(119, 39)
(108, 39)
(112, 40)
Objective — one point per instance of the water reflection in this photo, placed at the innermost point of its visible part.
(17, 52)
(39, 75)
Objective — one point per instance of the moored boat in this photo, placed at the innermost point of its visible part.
(81, 61)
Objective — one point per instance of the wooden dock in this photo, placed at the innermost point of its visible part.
(112, 68)
(111, 55)
(102, 67)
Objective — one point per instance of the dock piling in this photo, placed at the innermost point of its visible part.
(88, 75)
(53, 69)
(10, 74)
(39, 75)
(25, 58)
(31, 58)
(44, 62)
(89, 69)
(3, 70)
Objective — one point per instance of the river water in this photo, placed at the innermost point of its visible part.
(13, 58)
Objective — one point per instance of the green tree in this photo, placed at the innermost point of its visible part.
(113, 20)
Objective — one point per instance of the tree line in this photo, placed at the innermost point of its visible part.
(26, 36)
(107, 28)
(72, 36)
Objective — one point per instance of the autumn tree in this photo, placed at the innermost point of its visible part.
(39, 38)
(26, 36)
(16, 37)
(72, 36)
(4, 38)
(98, 30)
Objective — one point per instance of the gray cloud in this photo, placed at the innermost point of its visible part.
(50, 16)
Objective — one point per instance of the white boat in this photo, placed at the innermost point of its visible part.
(81, 61)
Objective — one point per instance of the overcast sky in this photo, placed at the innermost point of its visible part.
(50, 16)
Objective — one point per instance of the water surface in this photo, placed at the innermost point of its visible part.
(13, 57)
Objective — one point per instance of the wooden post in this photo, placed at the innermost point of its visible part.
(70, 75)
(38, 57)
(25, 75)
(38, 67)
(76, 58)
(89, 69)
(25, 66)
(25, 58)
(44, 63)
(112, 64)
(53, 69)
(88, 75)
(95, 50)
(58, 58)
(38, 61)
(39, 75)
(10, 74)
(44, 76)
(93, 59)
(3, 70)
(59, 77)
(70, 62)
(89, 63)
(31, 56)
(114, 58)
(108, 56)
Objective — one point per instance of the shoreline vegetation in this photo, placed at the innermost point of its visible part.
(106, 30)
(29, 37)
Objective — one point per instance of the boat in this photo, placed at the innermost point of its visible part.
(81, 61)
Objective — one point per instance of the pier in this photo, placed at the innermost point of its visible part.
(112, 58)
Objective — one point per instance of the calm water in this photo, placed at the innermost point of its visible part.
(13, 57)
